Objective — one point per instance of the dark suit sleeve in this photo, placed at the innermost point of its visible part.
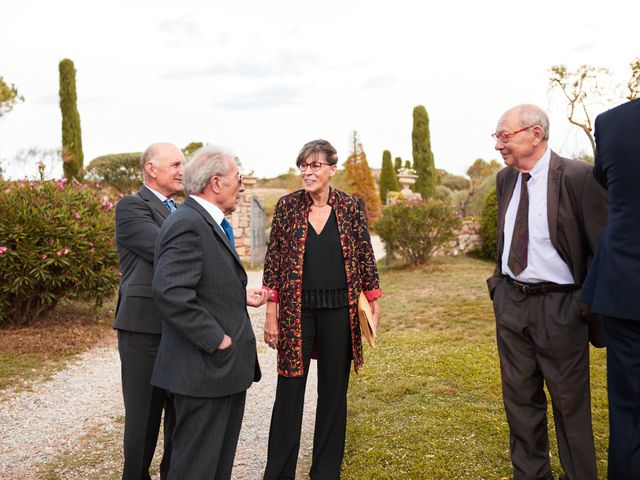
(136, 229)
(598, 171)
(493, 280)
(177, 274)
(594, 210)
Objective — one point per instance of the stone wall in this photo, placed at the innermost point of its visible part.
(467, 238)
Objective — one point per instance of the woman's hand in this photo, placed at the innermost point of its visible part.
(375, 310)
(271, 325)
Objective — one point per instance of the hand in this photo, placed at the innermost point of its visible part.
(271, 325)
(375, 310)
(256, 297)
(225, 343)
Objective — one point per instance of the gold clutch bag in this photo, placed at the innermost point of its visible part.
(366, 320)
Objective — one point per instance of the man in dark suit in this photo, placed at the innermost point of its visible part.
(613, 285)
(550, 215)
(138, 221)
(207, 357)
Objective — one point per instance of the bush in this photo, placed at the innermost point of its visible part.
(56, 241)
(489, 225)
(416, 229)
(120, 170)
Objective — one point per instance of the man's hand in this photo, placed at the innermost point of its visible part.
(271, 325)
(256, 297)
(225, 343)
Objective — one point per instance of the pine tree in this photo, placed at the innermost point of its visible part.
(398, 164)
(72, 156)
(362, 182)
(423, 162)
(388, 178)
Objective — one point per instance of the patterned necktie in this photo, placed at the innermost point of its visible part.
(170, 204)
(229, 231)
(520, 240)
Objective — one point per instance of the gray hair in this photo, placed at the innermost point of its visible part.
(206, 162)
(149, 156)
(316, 147)
(534, 115)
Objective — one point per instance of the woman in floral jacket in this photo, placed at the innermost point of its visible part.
(318, 261)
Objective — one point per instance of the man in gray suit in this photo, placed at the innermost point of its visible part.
(138, 221)
(207, 357)
(550, 215)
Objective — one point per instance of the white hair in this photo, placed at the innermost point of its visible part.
(206, 162)
(533, 115)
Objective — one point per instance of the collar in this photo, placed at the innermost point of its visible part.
(542, 165)
(211, 208)
(160, 196)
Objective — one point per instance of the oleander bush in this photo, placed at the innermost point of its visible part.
(56, 241)
(415, 229)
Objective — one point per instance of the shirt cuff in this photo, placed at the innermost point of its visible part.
(272, 294)
(373, 294)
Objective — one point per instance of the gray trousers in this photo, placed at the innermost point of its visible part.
(544, 338)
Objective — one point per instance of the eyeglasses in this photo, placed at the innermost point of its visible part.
(315, 166)
(504, 137)
(238, 178)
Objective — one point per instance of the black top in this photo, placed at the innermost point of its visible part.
(324, 281)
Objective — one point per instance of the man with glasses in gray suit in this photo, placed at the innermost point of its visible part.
(207, 357)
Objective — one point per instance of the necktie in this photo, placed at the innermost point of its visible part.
(229, 231)
(520, 240)
(170, 204)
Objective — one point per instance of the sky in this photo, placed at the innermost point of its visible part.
(263, 78)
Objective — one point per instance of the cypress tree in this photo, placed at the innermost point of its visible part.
(407, 164)
(423, 162)
(72, 156)
(361, 181)
(398, 164)
(388, 178)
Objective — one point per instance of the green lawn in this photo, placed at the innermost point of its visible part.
(428, 402)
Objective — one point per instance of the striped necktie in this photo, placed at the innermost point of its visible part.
(170, 204)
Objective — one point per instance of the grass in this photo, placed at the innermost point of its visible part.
(34, 353)
(428, 402)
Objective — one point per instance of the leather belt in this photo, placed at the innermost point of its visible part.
(542, 287)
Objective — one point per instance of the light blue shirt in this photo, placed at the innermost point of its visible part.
(160, 196)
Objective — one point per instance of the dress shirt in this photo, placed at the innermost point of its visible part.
(544, 264)
(160, 196)
(211, 209)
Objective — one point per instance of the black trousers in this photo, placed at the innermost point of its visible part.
(205, 436)
(622, 338)
(330, 330)
(143, 404)
(544, 338)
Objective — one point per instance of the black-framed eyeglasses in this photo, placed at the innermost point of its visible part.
(504, 137)
(315, 166)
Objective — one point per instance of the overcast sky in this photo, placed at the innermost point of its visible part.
(265, 77)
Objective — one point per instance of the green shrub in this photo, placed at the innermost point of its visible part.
(119, 170)
(489, 225)
(414, 230)
(56, 241)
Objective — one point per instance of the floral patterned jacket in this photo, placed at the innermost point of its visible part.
(283, 271)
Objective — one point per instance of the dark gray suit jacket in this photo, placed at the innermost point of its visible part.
(200, 290)
(576, 213)
(138, 221)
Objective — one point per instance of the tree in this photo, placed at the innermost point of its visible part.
(9, 96)
(407, 164)
(388, 178)
(398, 164)
(120, 170)
(423, 162)
(361, 181)
(634, 83)
(192, 147)
(481, 174)
(72, 156)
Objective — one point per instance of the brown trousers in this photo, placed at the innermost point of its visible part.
(544, 338)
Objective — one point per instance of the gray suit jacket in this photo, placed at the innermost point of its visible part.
(576, 213)
(200, 289)
(138, 221)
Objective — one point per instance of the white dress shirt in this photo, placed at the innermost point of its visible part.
(160, 196)
(211, 209)
(543, 261)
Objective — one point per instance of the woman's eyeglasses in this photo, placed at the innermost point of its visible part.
(315, 166)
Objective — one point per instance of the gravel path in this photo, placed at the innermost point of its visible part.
(40, 424)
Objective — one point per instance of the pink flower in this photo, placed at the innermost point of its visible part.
(51, 241)
(59, 253)
(3, 249)
(43, 257)
(90, 244)
(77, 215)
(66, 250)
(7, 191)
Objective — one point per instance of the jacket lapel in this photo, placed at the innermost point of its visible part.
(509, 185)
(216, 228)
(153, 201)
(553, 197)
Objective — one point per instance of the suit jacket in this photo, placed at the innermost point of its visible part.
(613, 284)
(576, 213)
(200, 289)
(138, 221)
